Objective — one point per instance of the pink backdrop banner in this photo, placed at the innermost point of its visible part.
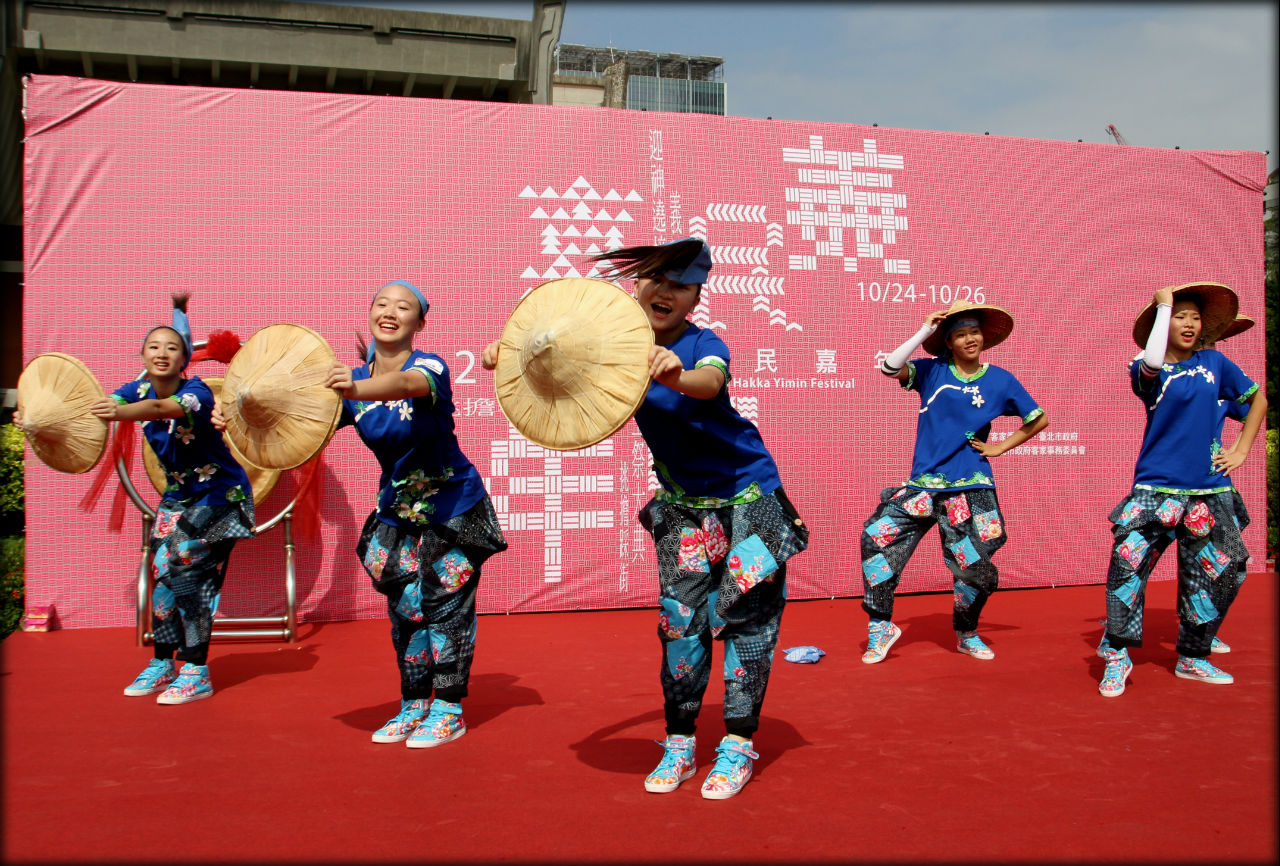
(832, 242)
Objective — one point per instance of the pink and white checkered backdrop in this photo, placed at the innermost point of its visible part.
(832, 242)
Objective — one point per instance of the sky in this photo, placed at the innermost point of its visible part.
(1199, 76)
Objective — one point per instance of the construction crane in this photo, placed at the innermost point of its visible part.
(1115, 133)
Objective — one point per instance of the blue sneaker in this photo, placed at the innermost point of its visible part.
(402, 724)
(732, 770)
(969, 643)
(155, 677)
(192, 684)
(1219, 646)
(1117, 671)
(1200, 669)
(443, 723)
(676, 766)
(881, 634)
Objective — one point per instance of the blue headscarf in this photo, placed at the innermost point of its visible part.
(695, 273)
(417, 293)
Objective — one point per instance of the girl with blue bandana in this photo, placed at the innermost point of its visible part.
(1180, 482)
(206, 508)
(433, 525)
(722, 525)
(951, 483)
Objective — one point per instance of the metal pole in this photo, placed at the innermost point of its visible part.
(144, 584)
(290, 584)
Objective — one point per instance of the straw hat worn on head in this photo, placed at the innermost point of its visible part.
(55, 392)
(1218, 308)
(263, 481)
(1241, 324)
(995, 323)
(573, 362)
(278, 410)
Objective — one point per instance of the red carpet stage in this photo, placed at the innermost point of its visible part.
(928, 757)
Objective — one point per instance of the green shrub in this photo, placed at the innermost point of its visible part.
(11, 485)
(12, 590)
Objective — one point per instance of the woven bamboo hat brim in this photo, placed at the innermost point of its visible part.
(995, 323)
(55, 392)
(1218, 308)
(573, 363)
(1241, 324)
(263, 481)
(279, 411)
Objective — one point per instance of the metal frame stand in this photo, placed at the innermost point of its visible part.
(227, 627)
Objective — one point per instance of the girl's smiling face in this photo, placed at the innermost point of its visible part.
(1184, 327)
(965, 343)
(163, 354)
(395, 316)
(666, 305)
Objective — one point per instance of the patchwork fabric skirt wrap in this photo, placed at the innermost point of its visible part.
(189, 552)
(751, 540)
(1212, 561)
(395, 556)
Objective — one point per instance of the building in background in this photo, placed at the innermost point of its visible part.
(618, 78)
(259, 44)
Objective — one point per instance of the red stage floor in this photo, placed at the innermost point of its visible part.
(928, 757)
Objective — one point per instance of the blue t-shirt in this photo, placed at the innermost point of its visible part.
(954, 410)
(704, 452)
(1184, 421)
(426, 479)
(196, 460)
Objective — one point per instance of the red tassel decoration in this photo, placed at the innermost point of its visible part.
(121, 448)
(221, 346)
(306, 508)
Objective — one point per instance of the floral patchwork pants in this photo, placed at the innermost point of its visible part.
(430, 578)
(722, 575)
(1211, 563)
(971, 528)
(189, 553)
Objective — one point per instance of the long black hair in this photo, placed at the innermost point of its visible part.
(650, 261)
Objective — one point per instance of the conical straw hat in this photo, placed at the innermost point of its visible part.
(263, 481)
(279, 411)
(55, 392)
(1218, 307)
(1241, 324)
(573, 363)
(995, 323)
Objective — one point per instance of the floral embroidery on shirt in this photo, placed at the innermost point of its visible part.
(204, 473)
(185, 435)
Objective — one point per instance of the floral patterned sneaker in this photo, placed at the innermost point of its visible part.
(192, 684)
(732, 770)
(443, 723)
(676, 766)
(969, 643)
(1200, 669)
(401, 725)
(1117, 671)
(881, 635)
(155, 677)
(1219, 646)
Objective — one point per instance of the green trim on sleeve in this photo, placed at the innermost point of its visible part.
(1248, 395)
(1033, 415)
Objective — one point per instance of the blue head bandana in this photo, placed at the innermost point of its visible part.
(695, 273)
(969, 321)
(417, 293)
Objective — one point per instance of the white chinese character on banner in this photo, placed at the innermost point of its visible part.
(826, 361)
(766, 360)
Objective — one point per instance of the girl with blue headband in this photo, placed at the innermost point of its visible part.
(433, 526)
(1180, 483)
(951, 483)
(206, 508)
(721, 523)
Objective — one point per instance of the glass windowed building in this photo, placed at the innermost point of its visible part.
(643, 80)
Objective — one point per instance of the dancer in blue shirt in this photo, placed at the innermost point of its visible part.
(951, 482)
(433, 525)
(206, 507)
(1180, 482)
(722, 526)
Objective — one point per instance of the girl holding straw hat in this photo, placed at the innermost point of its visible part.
(1180, 481)
(951, 481)
(722, 525)
(206, 508)
(433, 526)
